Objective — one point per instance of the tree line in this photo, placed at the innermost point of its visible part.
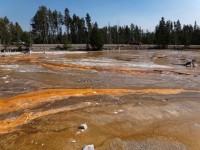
(12, 32)
(54, 27)
(168, 32)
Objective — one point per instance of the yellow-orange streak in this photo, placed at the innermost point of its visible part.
(8, 125)
(32, 99)
(130, 71)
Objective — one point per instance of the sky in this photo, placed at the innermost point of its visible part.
(144, 13)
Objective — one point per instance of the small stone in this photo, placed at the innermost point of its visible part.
(88, 103)
(73, 141)
(115, 112)
(6, 81)
(197, 125)
(42, 144)
(83, 126)
(120, 110)
(164, 100)
(4, 77)
(94, 92)
(27, 119)
(78, 132)
(82, 130)
(88, 147)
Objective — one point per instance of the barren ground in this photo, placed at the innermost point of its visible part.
(129, 100)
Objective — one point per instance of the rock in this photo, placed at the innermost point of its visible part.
(88, 147)
(74, 141)
(115, 112)
(197, 125)
(6, 77)
(164, 100)
(78, 132)
(71, 140)
(94, 92)
(27, 119)
(120, 110)
(6, 81)
(82, 130)
(83, 126)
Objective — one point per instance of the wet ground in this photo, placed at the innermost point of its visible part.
(128, 99)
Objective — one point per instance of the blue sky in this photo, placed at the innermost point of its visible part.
(145, 13)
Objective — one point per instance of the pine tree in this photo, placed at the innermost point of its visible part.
(40, 25)
(96, 39)
(4, 31)
(89, 26)
(163, 33)
(67, 22)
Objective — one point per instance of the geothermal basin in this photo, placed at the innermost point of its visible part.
(139, 99)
